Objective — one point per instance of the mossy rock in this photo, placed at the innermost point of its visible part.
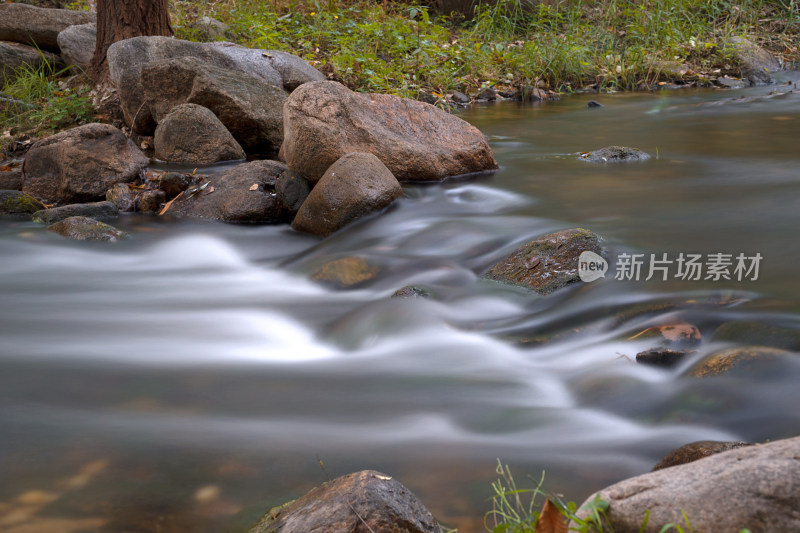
(757, 333)
(87, 229)
(412, 292)
(696, 450)
(18, 203)
(615, 154)
(737, 360)
(93, 210)
(548, 263)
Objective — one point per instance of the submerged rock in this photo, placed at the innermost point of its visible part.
(416, 141)
(14, 202)
(354, 186)
(696, 450)
(757, 333)
(547, 263)
(81, 164)
(413, 292)
(662, 357)
(346, 272)
(87, 229)
(741, 360)
(93, 210)
(615, 154)
(360, 502)
(754, 487)
(38, 26)
(192, 134)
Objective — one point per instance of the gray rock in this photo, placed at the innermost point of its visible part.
(755, 62)
(487, 93)
(594, 103)
(292, 189)
(249, 108)
(123, 198)
(77, 45)
(127, 58)
(324, 120)
(14, 56)
(209, 29)
(96, 210)
(292, 70)
(87, 229)
(731, 83)
(547, 263)
(18, 203)
(355, 185)
(754, 487)
(245, 193)
(81, 164)
(193, 134)
(460, 98)
(23, 23)
(615, 154)
(364, 501)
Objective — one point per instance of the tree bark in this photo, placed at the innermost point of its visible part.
(123, 19)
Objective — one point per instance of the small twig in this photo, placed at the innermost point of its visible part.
(322, 466)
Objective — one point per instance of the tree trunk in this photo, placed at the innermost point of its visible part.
(122, 19)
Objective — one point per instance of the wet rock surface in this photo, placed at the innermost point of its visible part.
(192, 134)
(292, 189)
(696, 450)
(362, 502)
(249, 108)
(354, 186)
(757, 333)
(86, 229)
(325, 120)
(742, 360)
(81, 164)
(243, 194)
(754, 487)
(96, 210)
(615, 154)
(123, 198)
(346, 272)
(662, 357)
(547, 263)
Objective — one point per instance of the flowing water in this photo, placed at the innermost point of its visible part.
(191, 377)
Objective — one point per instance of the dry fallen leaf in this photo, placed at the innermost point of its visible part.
(254, 187)
(210, 190)
(551, 520)
(169, 204)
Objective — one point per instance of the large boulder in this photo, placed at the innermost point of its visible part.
(23, 23)
(355, 185)
(81, 164)
(127, 58)
(77, 45)
(245, 194)
(416, 141)
(249, 108)
(360, 502)
(547, 263)
(193, 134)
(15, 55)
(753, 487)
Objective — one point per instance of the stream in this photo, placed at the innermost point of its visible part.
(192, 377)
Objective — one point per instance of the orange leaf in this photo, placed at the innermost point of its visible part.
(254, 187)
(169, 204)
(551, 520)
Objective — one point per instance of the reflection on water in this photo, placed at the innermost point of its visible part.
(188, 379)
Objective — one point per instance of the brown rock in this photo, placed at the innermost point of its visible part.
(81, 164)
(355, 185)
(696, 450)
(193, 134)
(346, 272)
(11, 176)
(754, 487)
(363, 502)
(122, 197)
(739, 359)
(86, 229)
(23, 23)
(96, 210)
(548, 263)
(173, 183)
(245, 193)
(416, 141)
(292, 190)
(151, 201)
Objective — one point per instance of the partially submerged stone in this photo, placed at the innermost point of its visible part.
(354, 186)
(14, 202)
(38, 26)
(547, 263)
(696, 450)
(662, 357)
(757, 333)
(412, 292)
(325, 120)
(87, 229)
(346, 272)
(362, 502)
(192, 134)
(615, 154)
(742, 360)
(81, 164)
(96, 210)
(754, 487)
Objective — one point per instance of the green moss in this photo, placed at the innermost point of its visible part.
(18, 203)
